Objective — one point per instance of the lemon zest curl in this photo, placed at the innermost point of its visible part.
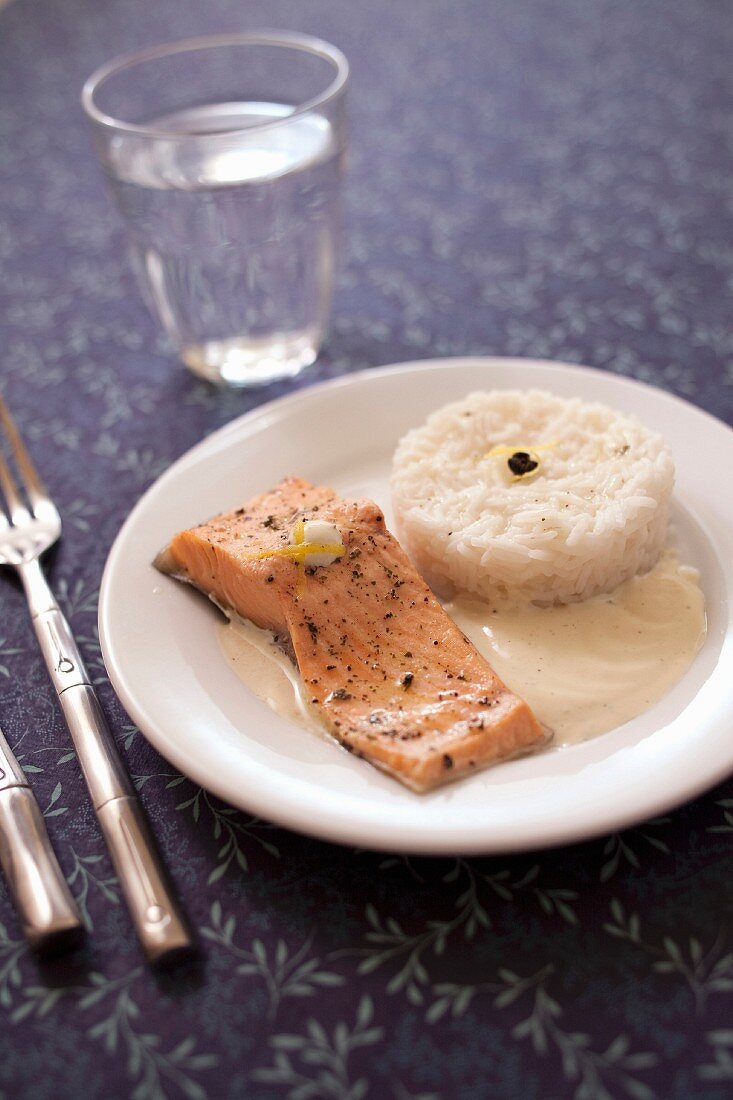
(299, 552)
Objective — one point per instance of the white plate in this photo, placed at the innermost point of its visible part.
(161, 650)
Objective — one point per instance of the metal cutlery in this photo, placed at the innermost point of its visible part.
(48, 913)
(29, 525)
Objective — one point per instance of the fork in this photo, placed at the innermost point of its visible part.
(29, 525)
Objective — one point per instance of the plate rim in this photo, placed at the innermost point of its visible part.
(338, 831)
(345, 380)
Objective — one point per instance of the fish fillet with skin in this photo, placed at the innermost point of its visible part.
(386, 669)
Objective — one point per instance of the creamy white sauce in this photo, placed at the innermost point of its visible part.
(266, 670)
(584, 668)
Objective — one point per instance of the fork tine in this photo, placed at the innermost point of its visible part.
(36, 490)
(14, 506)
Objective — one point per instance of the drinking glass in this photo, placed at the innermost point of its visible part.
(225, 157)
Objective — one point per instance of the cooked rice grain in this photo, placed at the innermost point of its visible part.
(594, 514)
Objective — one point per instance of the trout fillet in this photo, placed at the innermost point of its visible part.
(388, 672)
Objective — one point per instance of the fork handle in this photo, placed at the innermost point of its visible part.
(155, 913)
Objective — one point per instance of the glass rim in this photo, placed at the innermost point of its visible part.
(285, 39)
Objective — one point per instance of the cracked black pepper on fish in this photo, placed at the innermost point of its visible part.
(360, 641)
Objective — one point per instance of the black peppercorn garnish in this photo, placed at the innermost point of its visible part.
(522, 463)
(407, 679)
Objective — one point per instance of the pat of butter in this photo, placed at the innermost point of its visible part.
(319, 534)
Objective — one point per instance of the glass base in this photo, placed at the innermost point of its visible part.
(241, 361)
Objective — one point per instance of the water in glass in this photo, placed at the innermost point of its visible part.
(232, 234)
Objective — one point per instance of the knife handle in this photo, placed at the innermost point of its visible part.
(48, 914)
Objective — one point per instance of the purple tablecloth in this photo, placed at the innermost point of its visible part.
(546, 179)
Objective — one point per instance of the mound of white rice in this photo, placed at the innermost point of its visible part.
(594, 513)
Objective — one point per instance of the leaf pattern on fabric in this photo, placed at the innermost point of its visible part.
(534, 179)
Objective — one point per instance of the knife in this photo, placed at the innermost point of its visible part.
(49, 915)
